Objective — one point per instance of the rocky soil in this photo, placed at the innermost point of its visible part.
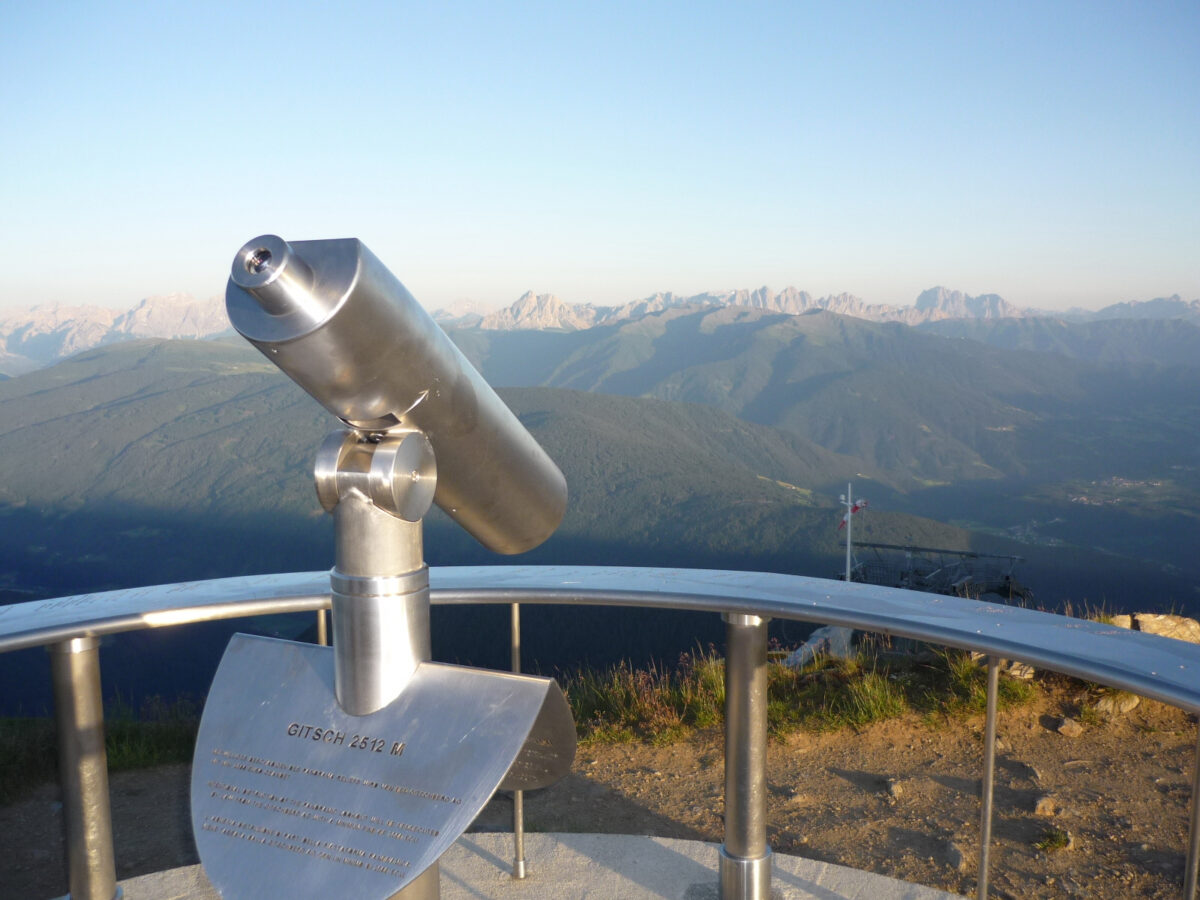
(899, 798)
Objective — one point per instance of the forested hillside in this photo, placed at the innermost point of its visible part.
(917, 405)
(163, 461)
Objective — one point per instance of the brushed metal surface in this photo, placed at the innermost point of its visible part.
(987, 788)
(378, 643)
(1146, 664)
(292, 797)
(83, 769)
(50, 621)
(354, 338)
(397, 471)
(549, 747)
(379, 638)
(744, 879)
(745, 737)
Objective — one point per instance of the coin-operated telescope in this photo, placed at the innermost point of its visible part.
(347, 331)
(349, 772)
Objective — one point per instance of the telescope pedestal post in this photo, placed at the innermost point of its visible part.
(380, 601)
(380, 604)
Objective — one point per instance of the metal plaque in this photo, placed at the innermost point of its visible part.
(549, 748)
(293, 797)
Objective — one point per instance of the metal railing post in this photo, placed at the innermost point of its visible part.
(745, 858)
(83, 769)
(989, 776)
(1193, 857)
(518, 869)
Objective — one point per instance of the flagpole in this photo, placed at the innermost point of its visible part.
(849, 525)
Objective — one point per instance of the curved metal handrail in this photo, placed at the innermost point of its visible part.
(1148, 665)
(38, 622)
(1144, 664)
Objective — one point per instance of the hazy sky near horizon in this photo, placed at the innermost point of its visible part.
(1045, 151)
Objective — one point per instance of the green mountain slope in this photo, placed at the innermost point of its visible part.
(917, 405)
(169, 425)
(682, 484)
(196, 458)
(1144, 342)
(159, 461)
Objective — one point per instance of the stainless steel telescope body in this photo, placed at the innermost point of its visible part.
(332, 316)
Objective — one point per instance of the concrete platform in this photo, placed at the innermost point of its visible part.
(595, 866)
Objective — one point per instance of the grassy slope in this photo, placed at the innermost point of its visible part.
(1134, 342)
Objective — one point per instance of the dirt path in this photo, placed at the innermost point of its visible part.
(899, 798)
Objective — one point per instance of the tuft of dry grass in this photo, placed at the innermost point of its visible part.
(658, 704)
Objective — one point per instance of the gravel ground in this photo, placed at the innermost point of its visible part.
(899, 798)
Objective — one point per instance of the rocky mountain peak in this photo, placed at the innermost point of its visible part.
(173, 316)
(942, 303)
(1173, 307)
(39, 335)
(540, 312)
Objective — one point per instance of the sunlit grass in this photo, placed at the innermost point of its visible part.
(656, 703)
(659, 705)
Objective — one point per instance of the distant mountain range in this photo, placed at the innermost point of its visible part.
(543, 312)
(710, 433)
(548, 312)
(36, 336)
(41, 335)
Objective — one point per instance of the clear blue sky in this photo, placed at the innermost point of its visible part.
(1045, 151)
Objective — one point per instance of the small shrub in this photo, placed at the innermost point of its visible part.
(702, 686)
(965, 682)
(831, 693)
(956, 684)
(1053, 840)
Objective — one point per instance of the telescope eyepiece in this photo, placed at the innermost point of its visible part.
(269, 270)
(258, 260)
